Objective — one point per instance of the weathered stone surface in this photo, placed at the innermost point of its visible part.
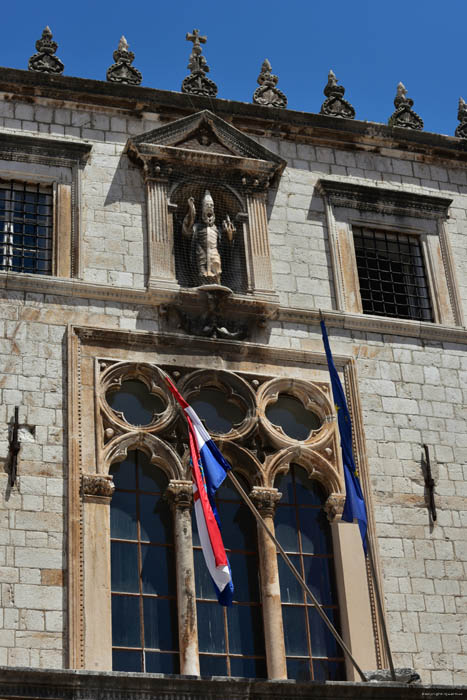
(196, 83)
(334, 104)
(121, 71)
(404, 116)
(45, 61)
(267, 94)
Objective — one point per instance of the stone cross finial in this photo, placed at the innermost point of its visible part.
(335, 105)
(44, 61)
(267, 94)
(404, 116)
(196, 83)
(461, 131)
(122, 71)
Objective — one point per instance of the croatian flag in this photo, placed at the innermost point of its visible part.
(209, 469)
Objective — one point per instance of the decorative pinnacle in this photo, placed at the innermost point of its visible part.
(44, 61)
(267, 94)
(122, 71)
(335, 105)
(196, 83)
(404, 116)
(461, 130)
(122, 44)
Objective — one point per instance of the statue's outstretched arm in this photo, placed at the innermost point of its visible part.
(189, 220)
(228, 228)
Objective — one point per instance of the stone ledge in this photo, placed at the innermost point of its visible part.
(88, 685)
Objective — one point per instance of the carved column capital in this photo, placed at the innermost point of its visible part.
(98, 485)
(334, 506)
(179, 494)
(266, 500)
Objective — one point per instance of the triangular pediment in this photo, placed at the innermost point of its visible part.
(205, 132)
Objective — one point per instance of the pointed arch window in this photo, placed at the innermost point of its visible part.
(303, 530)
(144, 607)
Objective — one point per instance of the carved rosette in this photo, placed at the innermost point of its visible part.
(100, 485)
(404, 116)
(461, 131)
(334, 506)
(196, 83)
(335, 105)
(179, 494)
(266, 500)
(267, 94)
(122, 71)
(44, 61)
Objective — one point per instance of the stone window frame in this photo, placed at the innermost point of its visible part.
(45, 155)
(90, 490)
(348, 204)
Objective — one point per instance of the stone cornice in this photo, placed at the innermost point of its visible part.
(245, 305)
(389, 200)
(19, 147)
(250, 118)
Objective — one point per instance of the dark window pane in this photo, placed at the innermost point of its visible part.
(295, 630)
(315, 530)
(162, 663)
(319, 575)
(125, 621)
(124, 473)
(156, 519)
(204, 584)
(220, 415)
(245, 630)
(284, 483)
(322, 641)
(135, 402)
(324, 670)
(212, 665)
(123, 516)
(211, 627)
(245, 572)
(228, 492)
(248, 668)
(286, 528)
(123, 660)
(299, 669)
(290, 414)
(237, 526)
(124, 565)
(291, 590)
(158, 570)
(160, 624)
(308, 491)
(150, 477)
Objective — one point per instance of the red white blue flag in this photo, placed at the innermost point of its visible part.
(209, 469)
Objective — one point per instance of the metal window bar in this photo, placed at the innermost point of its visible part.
(26, 227)
(392, 274)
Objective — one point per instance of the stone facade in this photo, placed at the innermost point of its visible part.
(411, 376)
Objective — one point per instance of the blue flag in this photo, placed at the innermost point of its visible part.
(354, 502)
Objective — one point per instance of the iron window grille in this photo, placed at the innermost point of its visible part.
(392, 274)
(26, 227)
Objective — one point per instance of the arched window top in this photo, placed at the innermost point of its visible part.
(297, 487)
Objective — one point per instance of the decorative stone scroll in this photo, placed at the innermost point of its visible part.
(44, 61)
(99, 485)
(122, 71)
(196, 83)
(334, 105)
(461, 131)
(267, 94)
(404, 116)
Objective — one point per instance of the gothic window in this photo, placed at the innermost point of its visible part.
(304, 532)
(144, 608)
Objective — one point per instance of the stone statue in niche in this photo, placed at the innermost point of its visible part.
(206, 239)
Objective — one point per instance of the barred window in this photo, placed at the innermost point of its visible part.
(392, 274)
(26, 227)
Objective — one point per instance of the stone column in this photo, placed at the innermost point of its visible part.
(180, 496)
(352, 589)
(265, 499)
(259, 254)
(160, 236)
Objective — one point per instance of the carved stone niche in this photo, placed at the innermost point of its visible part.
(186, 159)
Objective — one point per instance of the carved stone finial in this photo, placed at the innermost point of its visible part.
(267, 94)
(265, 500)
(44, 61)
(122, 71)
(404, 116)
(461, 131)
(335, 105)
(196, 83)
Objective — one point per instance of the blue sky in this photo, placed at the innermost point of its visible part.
(369, 44)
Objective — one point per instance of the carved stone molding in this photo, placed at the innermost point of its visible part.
(196, 83)
(461, 130)
(335, 105)
(267, 94)
(122, 71)
(179, 494)
(404, 116)
(45, 61)
(266, 500)
(334, 506)
(100, 485)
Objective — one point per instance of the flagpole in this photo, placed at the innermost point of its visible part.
(297, 575)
